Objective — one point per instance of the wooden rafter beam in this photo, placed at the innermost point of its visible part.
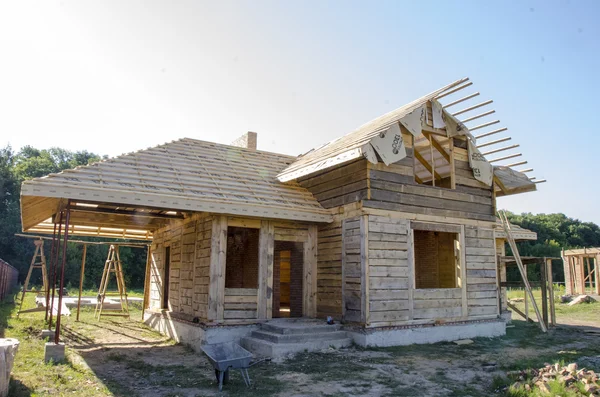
(426, 164)
(500, 185)
(124, 212)
(440, 149)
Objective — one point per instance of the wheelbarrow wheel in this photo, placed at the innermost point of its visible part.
(225, 376)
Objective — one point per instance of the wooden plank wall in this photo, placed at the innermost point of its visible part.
(241, 303)
(389, 270)
(501, 251)
(341, 185)
(190, 256)
(329, 270)
(351, 270)
(202, 266)
(393, 188)
(482, 290)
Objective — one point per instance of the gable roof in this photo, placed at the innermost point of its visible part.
(184, 175)
(356, 144)
(348, 147)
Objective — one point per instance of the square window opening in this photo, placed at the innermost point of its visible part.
(241, 266)
(437, 259)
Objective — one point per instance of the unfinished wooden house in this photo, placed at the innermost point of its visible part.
(582, 273)
(390, 229)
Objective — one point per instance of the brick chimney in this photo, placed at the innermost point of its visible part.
(248, 140)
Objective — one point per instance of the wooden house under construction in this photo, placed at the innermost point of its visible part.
(390, 229)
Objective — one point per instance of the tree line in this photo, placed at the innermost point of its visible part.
(27, 163)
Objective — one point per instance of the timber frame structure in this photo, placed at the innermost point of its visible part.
(390, 226)
(582, 272)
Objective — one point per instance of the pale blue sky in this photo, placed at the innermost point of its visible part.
(114, 76)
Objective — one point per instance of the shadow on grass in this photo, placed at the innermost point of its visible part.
(16, 387)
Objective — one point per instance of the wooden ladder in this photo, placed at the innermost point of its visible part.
(112, 266)
(37, 262)
(515, 250)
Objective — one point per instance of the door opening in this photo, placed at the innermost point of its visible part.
(165, 302)
(287, 279)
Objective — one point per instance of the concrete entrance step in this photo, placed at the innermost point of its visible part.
(265, 348)
(280, 337)
(297, 337)
(299, 328)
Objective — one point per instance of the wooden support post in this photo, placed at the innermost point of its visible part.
(309, 286)
(526, 298)
(218, 256)
(81, 279)
(544, 291)
(549, 279)
(516, 310)
(589, 269)
(411, 272)
(147, 276)
(581, 279)
(513, 246)
(364, 269)
(266, 244)
(597, 273)
(463, 273)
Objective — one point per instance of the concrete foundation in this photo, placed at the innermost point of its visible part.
(506, 316)
(196, 335)
(54, 352)
(47, 334)
(402, 336)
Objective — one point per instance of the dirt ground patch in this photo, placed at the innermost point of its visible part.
(118, 357)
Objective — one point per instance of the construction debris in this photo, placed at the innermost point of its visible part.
(570, 376)
(581, 299)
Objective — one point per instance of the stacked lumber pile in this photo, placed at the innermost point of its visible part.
(570, 376)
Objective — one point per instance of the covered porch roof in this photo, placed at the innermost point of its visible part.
(132, 195)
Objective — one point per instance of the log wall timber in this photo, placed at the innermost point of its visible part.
(351, 270)
(501, 251)
(240, 304)
(392, 297)
(342, 185)
(482, 289)
(189, 241)
(329, 270)
(389, 271)
(394, 188)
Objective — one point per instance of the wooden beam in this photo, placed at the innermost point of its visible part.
(478, 116)
(466, 98)
(472, 108)
(426, 165)
(550, 291)
(454, 90)
(309, 285)
(266, 244)
(436, 144)
(508, 138)
(218, 257)
(516, 310)
(500, 185)
(364, 268)
(490, 133)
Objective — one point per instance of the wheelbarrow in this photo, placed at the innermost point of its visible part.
(226, 356)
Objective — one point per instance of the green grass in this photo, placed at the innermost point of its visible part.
(564, 312)
(118, 370)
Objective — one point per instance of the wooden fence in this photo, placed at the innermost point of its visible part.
(8, 279)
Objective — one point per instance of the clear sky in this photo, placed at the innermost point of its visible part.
(118, 76)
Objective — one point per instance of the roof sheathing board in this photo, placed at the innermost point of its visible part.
(188, 175)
